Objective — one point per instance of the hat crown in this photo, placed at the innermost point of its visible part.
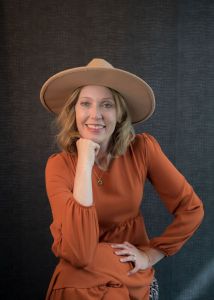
(99, 63)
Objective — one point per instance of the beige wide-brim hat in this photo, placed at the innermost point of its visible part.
(136, 92)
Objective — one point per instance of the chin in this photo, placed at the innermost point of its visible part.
(96, 140)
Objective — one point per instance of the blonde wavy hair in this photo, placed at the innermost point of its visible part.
(68, 133)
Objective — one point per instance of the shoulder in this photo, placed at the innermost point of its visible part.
(60, 160)
(56, 157)
(145, 140)
(146, 147)
(63, 155)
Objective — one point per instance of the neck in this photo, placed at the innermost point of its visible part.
(103, 159)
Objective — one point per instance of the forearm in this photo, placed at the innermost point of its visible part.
(82, 190)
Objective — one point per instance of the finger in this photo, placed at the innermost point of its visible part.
(131, 258)
(133, 271)
(123, 252)
(128, 244)
(97, 149)
(123, 246)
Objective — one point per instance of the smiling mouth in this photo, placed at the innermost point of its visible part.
(95, 126)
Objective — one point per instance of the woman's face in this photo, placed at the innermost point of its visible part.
(96, 114)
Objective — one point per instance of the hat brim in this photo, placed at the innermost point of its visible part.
(137, 93)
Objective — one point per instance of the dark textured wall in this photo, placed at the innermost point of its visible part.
(168, 43)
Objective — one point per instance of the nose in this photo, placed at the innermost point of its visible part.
(96, 112)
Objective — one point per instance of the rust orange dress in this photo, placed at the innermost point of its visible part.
(88, 268)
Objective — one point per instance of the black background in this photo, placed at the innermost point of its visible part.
(170, 45)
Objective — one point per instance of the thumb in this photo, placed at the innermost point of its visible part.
(97, 149)
(133, 271)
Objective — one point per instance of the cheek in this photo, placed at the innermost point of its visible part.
(113, 122)
(114, 119)
(79, 117)
(77, 124)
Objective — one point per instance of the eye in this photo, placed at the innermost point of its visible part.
(108, 104)
(85, 103)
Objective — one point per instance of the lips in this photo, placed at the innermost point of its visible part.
(95, 126)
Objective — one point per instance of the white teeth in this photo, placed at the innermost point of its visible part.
(95, 126)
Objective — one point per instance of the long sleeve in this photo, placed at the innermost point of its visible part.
(75, 227)
(177, 195)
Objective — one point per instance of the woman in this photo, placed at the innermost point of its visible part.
(95, 186)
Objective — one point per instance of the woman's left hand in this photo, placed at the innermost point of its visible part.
(130, 253)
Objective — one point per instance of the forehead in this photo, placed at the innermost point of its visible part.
(95, 91)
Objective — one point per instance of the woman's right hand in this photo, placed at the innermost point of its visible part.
(87, 151)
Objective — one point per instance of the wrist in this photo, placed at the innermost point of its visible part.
(84, 165)
(153, 255)
(148, 259)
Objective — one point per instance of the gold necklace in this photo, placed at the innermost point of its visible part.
(100, 181)
(99, 178)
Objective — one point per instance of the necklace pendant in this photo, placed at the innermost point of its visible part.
(99, 181)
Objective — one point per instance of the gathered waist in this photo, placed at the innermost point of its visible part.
(132, 230)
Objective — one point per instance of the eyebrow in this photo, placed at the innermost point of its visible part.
(106, 98)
